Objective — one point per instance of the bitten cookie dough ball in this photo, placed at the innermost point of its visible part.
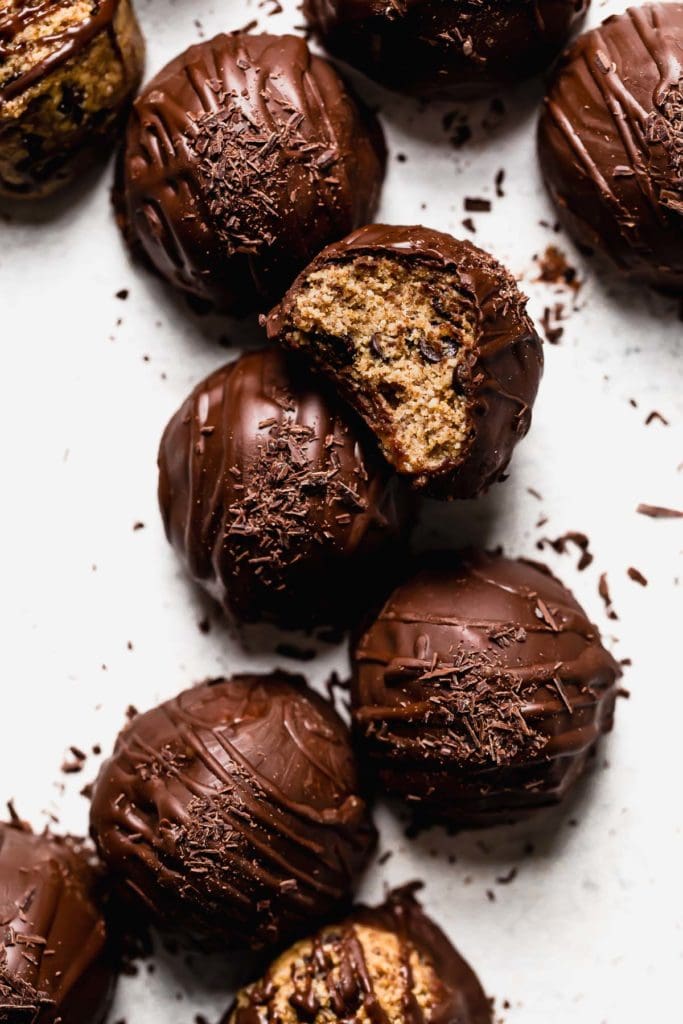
(232, 813)
(68, 69)
(55, 965)
(466, 48)
(275, 497)
(611, 143)
(386, 965)
(428, 338)
(244, 157)
(480, 690)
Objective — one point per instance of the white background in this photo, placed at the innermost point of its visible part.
(98, 616)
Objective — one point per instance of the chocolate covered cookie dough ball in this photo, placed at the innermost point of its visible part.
(386, 965)
(67, 71)
(466, 48)
(232, 813)
(275, 497)
(611, 143)
(480, 690)
(428, 338)
(55, 965)
(244, 157)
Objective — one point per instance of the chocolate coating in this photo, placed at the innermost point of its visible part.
(611, 142)
(466, 48)
(480, 689)
(389, 964)
(54, 961)
(232, 811)
(245, 156)
(503, 364)
(68, 69)
(274, 496)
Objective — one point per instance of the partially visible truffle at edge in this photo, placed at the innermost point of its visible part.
(386, 965)
(611, 143)
(466, 48)
(55, 961)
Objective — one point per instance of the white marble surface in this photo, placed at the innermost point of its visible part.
(97, 615)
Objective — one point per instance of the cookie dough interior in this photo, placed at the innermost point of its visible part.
(398, 334)
(301, 985)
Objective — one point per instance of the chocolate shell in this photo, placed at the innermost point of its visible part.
(231, 813)
(68, 70)
(611, 143)
(466, 48)
(275, 497)
(389, 965)
(245, 156)
(480, 690)
(55, 965)
(447, 386)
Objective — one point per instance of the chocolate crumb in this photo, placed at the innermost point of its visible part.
(508, 877)
(636, 576)
(655, 415)
(474, 204)
(560, 545)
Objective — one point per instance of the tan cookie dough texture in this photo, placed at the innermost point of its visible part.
(67, 71)
(294, 984)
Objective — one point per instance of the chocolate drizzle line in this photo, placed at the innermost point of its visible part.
(67, 43)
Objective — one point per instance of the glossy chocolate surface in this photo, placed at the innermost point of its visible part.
(504, 365)
(245, 156)
(231, 813)
(54, 961)
(480, 689)
(465, 48)
(611, 142)
(274, 495)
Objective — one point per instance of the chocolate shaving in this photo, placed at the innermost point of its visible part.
(603, 591)
(659, 511)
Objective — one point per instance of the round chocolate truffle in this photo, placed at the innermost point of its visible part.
(55, 966)
(232, 812)
(67, 71)
(428, 338)
(611, 143)
(480, 689)
(389, 965)
(244, 157)
(274, 494)
(466, 48)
